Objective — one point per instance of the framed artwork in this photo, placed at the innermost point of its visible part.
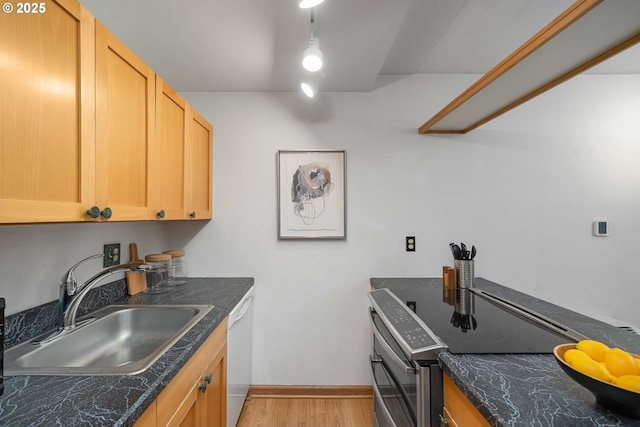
(311, 194)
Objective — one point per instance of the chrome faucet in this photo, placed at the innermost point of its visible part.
(71, 311)
(71, 295)
(69, 287)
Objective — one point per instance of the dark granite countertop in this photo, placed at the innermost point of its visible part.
(527, 389)
(116, 400)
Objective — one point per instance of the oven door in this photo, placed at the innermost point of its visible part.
(395, 380)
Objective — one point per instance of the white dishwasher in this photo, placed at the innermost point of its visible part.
(239, 327)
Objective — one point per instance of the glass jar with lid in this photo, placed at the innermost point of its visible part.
(158, 273)
(179, 264)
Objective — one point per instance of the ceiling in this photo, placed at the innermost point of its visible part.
(257, 45)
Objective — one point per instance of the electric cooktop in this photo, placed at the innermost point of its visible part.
(474, 321)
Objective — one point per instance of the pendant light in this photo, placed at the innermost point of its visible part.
(307, 4)
(308, 89)
(312, 57)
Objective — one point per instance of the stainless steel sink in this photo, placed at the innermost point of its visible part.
(116, 340)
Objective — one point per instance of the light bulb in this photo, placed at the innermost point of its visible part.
(306, 4)
(312, 57)
(307, 89)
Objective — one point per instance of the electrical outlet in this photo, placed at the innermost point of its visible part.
(111, 255)
(411, 243)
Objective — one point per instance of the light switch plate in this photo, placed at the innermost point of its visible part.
(601, 228)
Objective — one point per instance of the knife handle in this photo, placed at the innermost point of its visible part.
(133, 254)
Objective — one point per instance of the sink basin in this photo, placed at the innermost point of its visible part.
(116, 340)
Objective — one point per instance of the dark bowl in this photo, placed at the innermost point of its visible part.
(612, 397)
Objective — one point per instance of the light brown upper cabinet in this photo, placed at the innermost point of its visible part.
(587, 33)
(47, 114)
(181, 179)
(169, 179)
(125, 129)
(78, 127)
(200, 143)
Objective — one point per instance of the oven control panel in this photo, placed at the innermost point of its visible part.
(406, 326)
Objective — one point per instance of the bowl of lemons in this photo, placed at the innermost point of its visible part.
(611, 374)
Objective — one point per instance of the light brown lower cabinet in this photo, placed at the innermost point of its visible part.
(148, 418)
(458, 410)
(197, 396)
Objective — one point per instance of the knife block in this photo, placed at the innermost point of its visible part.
(449, 279)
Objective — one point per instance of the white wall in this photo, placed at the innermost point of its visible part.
(33, 258)
(524, 189)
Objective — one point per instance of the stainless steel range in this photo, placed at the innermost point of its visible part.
(404, 365)
(411, 327)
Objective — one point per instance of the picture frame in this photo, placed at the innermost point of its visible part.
(311, 194)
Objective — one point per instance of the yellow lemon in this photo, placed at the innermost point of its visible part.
(592, 368)
(595, 349)
(619, 362)
(572, 355)
(604, 366)
(630, 382)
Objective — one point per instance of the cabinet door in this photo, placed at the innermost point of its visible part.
(47, 114)
(125, 128)
(187, 414)
(458, 409)
(169, 183)
(450, 422)
(183, 403)
(148, 418)
(212, 403)
(200, 168)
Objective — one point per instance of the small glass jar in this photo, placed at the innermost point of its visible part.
(179, 264)
(158, 273)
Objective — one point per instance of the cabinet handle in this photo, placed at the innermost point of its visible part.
(93, 212)
(192, 214)
(443, 421)
(106, 213)
(202, 387)
(207, 378)
(160, 214)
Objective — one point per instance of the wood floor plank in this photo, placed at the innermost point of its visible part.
(361, 413)
(303, 412)
(322, 417)
(307, 412)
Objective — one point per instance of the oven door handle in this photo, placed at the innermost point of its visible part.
(407, 368)
(378, 395)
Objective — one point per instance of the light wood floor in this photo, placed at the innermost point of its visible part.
(307, 412)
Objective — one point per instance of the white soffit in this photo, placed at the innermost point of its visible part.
(605, 26)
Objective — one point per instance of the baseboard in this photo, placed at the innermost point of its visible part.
(310, 392)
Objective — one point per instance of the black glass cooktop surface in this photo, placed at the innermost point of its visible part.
(471, 323)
